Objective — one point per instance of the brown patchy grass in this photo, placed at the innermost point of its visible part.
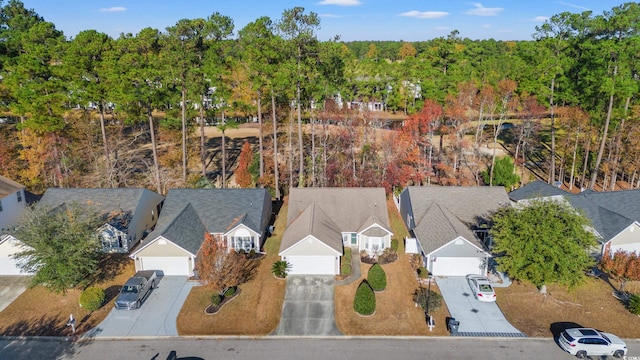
(396, 313)
(40, 312)
(590, 305)
(255, 311)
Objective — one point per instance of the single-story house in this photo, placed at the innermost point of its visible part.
(128, 214)
(240, 217)
(614, 215)
(322, 221)
(446, 224)
(12, 203)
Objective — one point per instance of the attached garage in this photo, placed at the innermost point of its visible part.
(8, 265)
(457, 266)
(312, 264)
(164, 256)
(168, 265)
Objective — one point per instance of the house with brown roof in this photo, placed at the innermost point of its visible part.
(447, 223)
(322, 221)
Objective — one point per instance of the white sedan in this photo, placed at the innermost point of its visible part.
(481, 288)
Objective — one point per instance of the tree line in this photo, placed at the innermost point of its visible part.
(131, 111)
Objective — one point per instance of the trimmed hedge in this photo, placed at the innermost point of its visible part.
(230, 291)
(365, 300)
(377, 278)
(216, 299)
(92, 298)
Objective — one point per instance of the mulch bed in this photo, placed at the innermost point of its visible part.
(212, 309)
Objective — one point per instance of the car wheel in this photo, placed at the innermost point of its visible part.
(618, 354)
(153, 284)
(138, 304)
(581, 354)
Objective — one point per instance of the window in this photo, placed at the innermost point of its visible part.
(354, 239)
(19, 193)
(242, 242)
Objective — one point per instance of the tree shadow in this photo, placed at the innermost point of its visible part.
(110, 266)
(111, 293)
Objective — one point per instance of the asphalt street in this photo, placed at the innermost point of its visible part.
(292, 348)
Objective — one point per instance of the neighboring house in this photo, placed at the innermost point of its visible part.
(614, 215)
(446, 223)
(240, 217)
(12, 203)
(321, 221)
(128, 214)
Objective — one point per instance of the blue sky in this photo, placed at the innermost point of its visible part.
(408, 20)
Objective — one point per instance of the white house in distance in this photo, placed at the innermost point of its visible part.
(238, 216)
(446, 222)
(12, 205)
(614, 215)
(128, 214)
(321, 221)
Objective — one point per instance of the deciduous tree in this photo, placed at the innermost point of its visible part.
(622, 265)
(219, 267)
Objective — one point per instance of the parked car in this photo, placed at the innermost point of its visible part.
(583, 342)
(136, 289)
(481, 288)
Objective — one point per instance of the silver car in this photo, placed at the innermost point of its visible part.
(583, 342)
(481, 288)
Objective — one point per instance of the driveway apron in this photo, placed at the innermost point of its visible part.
(476, 318)
(11, 287)
(308, 307)
(156, 317)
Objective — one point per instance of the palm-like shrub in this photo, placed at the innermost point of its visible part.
(634, 304)
(365, 300)
(377, 278)
(281, 269)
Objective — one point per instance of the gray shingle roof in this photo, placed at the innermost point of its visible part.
(535, 189)
(342, 209)
(105, 200)
(442, 213)
(610, 212)
(187, 213)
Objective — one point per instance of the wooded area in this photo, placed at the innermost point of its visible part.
(93, 111)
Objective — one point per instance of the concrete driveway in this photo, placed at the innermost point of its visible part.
(11, 287)
(476, 318)
(156, 317)
(308, 307)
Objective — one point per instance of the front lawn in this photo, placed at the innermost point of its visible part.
(396, 313)
(39, 312)
(255, 311)
(590, 305)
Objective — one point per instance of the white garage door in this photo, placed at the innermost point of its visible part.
(312, 265)
(8, 267)
(168, 265)
(456, 266)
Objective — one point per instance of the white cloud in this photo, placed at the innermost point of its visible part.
(341, 2)
(540, 18)
(330, 16)
(480, 10)
(574, 6)
(486, 26)
(425, 14)
(113, 9)
(442, 28)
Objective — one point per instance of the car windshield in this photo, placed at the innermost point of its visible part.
(605, 337)
(485, 288)
(130, 289)
(567, 336)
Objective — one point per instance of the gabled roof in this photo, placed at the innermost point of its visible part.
(443, 213)
(8, 186)
(536, 189)
(116, 205)
(349, 208)
(312, 221)
(188, 213)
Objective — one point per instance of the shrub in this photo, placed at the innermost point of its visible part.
(345, 269)
(387, 256)
(394, 245)
(365, 258)
(347, 255)
(365, 300)
(416, 261)
(420, 297)
(377, 278)
(92, 298)
(423, 273)
(634, 304)
(216, 299)
(280, 269)
(230, 291)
